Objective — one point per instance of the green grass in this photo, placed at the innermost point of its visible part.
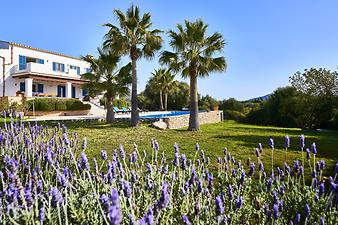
(240, 139)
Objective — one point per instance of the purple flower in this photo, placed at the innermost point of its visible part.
(84, 143)
(225, 151)
(261, 166)
(297, 219)
(186, 220)
(114, 215)
(302, 141)
(203, 156)
(176, 159)
(122, 155)
(230, 193)
(275, 211)
(252, 169)
(148, 167)
(84, 161)
(287, 142)
(41, 214)
(336, 169)
(176, 150)
(307, 154)
(103, 155)
(257, 152)
(260, 147)
(219, 206)
(197, 147)
(164, 199)
(322, 221)
(271, 143)
(322, 164)
(56, 196)
(200, 186)
(184, 162)
(321, 188)
(126, 189)
(313, 147)
(105, 201)
(307, 210)
(239, 202)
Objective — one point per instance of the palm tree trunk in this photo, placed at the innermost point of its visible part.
(134, 106)
(166, 101)
(161, 101)
(193, 118)
(110, 117)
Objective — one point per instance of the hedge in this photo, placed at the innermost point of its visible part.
(56, 104)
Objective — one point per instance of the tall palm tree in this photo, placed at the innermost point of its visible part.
(105, 76)
(193, 56)
(156, 84)
(135, 38)
(163, 81)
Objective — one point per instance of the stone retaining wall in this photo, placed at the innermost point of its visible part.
(176, 122)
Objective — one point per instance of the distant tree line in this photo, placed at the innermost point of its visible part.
(310, 102)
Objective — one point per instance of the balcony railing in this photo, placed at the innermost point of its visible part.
(43, 69)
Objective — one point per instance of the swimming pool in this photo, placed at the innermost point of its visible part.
(165, 115)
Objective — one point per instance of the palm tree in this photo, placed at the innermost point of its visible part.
(155, 83)
(193, 56)
(163, 81)
(106, 77)
(133, 37)
(168, 83)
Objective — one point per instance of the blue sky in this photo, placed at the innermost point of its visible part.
(267, 41)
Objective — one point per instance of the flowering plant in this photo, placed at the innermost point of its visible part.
(46, 178)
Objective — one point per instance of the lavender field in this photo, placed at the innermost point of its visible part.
(47, 178)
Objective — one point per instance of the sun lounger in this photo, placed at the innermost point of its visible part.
(125, 110)
(117, 110)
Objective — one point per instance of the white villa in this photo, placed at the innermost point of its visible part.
(36, 72)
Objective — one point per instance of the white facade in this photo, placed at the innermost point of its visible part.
(36, 72)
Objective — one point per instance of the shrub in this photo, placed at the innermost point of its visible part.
(233, 115)
(60, 105)
(334, 120)
(56, 104)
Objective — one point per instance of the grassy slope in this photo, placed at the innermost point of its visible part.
(240, 139)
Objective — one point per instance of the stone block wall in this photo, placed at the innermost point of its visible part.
(176, 122)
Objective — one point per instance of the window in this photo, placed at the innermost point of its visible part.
(22, 86)
(58, 67)
(84, 92)
(88, 70)
(78, 70)
(40, 88)
(22, 62)
(40, 61)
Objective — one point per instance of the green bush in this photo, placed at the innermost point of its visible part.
(55, 104)
(233, 115)
(334, 120)
(60, 105)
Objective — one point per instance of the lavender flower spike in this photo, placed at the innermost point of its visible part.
(287, 142)
(302, 141)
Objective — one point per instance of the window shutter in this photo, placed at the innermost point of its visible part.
(63, 68)
(54, 66)
(78, 70)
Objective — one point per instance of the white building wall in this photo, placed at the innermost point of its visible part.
(13, 84)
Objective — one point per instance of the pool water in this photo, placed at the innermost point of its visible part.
(164, 115)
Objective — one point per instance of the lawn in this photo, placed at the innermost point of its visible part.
(240, 139)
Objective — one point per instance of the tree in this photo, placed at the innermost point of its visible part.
(106, 77)
(177, 100)
(163, 81)
(133, 37)
(318, 88)
(192, 55)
